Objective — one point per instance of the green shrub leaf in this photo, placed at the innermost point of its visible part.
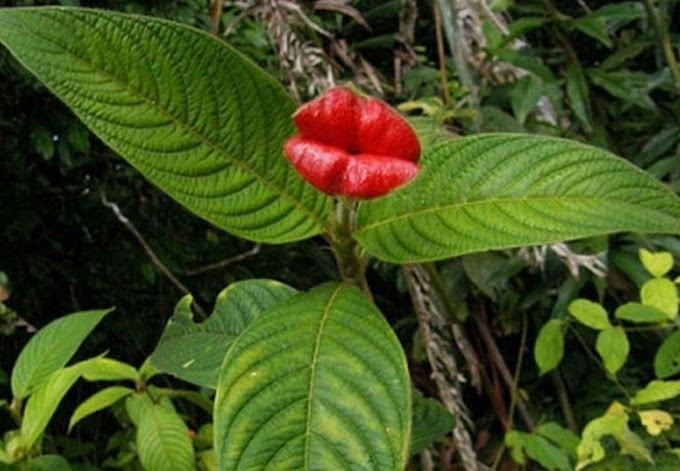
(431, 422)
(549, 347)
(50, 349)
(320, 382)
(498, 191)
(589, 313)
(613, 346)
(657, 391)
(661, 294)
(640, 314)
(195, 117)
(98, 401)
(108, 369)
(667, 359)
(657, 264)
(44, 401)
(194, 352)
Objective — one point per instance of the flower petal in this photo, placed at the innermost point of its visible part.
(369, 176)
(330, 119)
(319, 164)
(382, 131)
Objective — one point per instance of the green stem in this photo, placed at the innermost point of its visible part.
(664, 37)
(563, 397)
(350, 257)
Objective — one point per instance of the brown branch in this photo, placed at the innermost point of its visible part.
(224, 263)
(215, 15)
(149, 251)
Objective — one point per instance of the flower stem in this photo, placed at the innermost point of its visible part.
(349, 256)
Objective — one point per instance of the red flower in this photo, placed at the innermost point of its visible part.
(351, 146)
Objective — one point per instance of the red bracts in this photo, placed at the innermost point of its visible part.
(351, 146)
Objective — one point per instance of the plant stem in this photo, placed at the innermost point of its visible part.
(664, 37)
(563, 397)
(349, 256)
(14, 410)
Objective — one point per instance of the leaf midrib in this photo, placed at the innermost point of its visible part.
(187, 128)
(489, 201)
(312, 375)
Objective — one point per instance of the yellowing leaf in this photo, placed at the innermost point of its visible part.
(657, 264)
(656, 421)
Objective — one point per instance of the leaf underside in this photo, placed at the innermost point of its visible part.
(320, 382)
(498, 191)
(195, 117)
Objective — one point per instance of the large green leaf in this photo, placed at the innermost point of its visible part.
(194, 352)
(320, 382)
(50, 349)
(195, 117)
(498, 191)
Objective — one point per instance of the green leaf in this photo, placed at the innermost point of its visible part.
(44, 401)
(163, 441)
(49, 463)
(578, 94)
(621, 11)
(498, 191)
(194, 352)
(546, 454)
(108, 369)
(195, 117)
(431, 422)
(640, 314)
(98, 401)
(593, 26)
(525, 94)
(657, 264)
(613, 346)
(320, 382)
(589, 313)
(517, 441)
(590, 448)
(630, 87)
(657, 391)
(50, 349)
(562, 437)
(661, 294)
(667, 359)
(549, 347)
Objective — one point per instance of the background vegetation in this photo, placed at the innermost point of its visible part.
(600, 72)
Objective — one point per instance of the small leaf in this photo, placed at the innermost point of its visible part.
(590, 448)
(546, 454)
(108, 369)
(657, 391)
(549, 347)
(656, 421)
(630, 87)
(525, 94)
(578, 94)
(48, 463)
(589, 313)
(657, 264)
(661, 294)
(667, 358)
(497, 191)
(640, 314)
(320, 382)
(431, 422)
(593, 26)
(163, 441)
(50, 349)
(194, 352)
(517, 441)
(562, 437)
(98, 401)
(613, 346)
(43, 402)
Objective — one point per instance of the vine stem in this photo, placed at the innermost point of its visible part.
(664, 37)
